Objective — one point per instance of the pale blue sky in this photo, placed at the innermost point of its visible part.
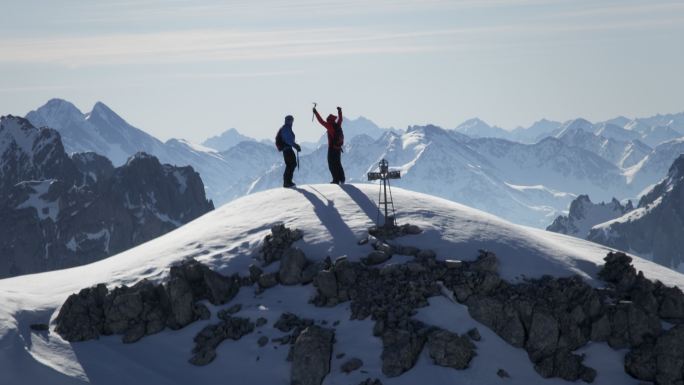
(193, 68)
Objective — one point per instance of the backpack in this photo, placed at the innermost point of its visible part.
(280, 144)
(338, 136)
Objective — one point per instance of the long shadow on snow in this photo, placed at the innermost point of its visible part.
(362, 200)
(342, 235)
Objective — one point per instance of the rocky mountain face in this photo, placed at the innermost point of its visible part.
(655, 227)
(58, 211)
(584, 214)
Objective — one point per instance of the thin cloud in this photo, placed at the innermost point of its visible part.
(234, 75)
(209, 45)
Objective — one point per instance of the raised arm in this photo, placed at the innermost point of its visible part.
(339, 115)
(320, 120)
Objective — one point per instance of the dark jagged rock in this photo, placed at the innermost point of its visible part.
(145, 308)
(81, 317)
(369, 381)
(382, 253)
(292, 265)
(206, 283)
(450, 349)
(400, 350)
(268, 280)
(311, 354)
(474, 334)
(276, 243)
(382, 232)
(225, 313)
(290, 323)
(211, 336)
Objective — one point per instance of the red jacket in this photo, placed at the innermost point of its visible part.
(329, 125)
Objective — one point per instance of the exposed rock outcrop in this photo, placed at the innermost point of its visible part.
(654, 228)
(584, 214)
(279, 241)
(311, 354)
(211, 336)
(144, 308)
(450, 349)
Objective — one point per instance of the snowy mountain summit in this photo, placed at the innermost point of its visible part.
(286, 286)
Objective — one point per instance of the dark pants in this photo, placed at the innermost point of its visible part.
(335, 165)
(290, 164)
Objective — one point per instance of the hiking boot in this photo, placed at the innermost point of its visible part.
(289, 185)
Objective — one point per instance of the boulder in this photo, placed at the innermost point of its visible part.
(449, 349)
(311, 354)
(376, 257)
(268, 280)
(81, 317)
(543, 336)
(351, 365)
(400, 351)
(292, 265)
(326, 282)
(181, 301)
(211, 336)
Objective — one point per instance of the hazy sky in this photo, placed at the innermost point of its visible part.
(193, 68)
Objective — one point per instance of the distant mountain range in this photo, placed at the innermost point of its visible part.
(60, 211)
(527, 175)
(652, 230)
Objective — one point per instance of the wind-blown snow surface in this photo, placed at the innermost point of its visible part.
(332, 219)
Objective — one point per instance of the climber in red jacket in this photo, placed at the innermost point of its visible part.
(333, 126)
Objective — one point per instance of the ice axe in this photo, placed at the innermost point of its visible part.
(313, 114)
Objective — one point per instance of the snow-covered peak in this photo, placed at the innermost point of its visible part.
(56, 113)
(102, 112)
(477, 128)
(226, 140)
(620, 121)
(575, 125)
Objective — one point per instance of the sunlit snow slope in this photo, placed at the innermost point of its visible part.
(333, 218)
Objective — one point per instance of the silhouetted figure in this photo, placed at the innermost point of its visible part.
(333, 125)
(285, 142)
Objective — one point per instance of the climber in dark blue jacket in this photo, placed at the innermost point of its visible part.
(285, 141)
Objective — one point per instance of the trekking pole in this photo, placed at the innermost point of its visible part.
(297, 160)
(312, 114)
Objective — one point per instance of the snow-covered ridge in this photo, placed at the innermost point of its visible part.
(332, 219)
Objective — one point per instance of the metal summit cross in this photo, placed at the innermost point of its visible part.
(384, 175)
